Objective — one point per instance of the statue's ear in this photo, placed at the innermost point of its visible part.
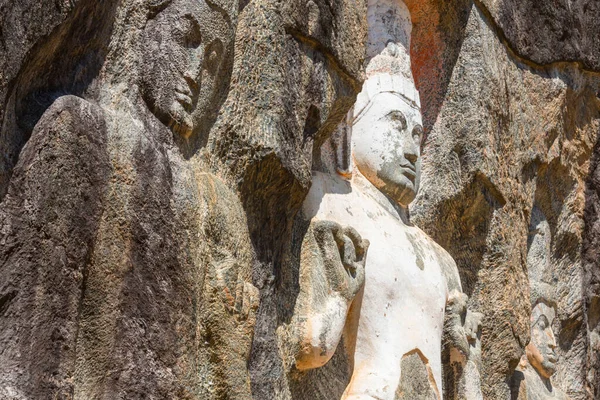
(214, 57)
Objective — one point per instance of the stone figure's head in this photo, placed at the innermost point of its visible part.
(387, 132)
(540, 350)
(387, 127)
(184, 44)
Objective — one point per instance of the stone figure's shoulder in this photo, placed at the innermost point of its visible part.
(71, 128)
(72, 112)
(327, 188)
(224, 219)
(527, 385)
(444, 259)
(518, 384)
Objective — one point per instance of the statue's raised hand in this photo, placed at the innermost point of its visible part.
(344, 253)
(463, 326)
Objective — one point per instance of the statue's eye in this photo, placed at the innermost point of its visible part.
(397, 118)
(543, 323)
(417, 134)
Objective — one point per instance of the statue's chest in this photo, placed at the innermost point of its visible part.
(403, 268)
(402, 264)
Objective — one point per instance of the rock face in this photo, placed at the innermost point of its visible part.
(155, 156)
(506, 134)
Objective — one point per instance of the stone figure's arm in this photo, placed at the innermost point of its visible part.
(331, 274)
(462, 337)
(462, 342)
(48, 223)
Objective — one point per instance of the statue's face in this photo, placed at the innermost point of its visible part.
(540, 350)
(386, 145)
(182, 59)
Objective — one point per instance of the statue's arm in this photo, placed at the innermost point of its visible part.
(48, 222)
(331, 275)
(462, 338)
(462, 348)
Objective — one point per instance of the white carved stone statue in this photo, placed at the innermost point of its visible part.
(412, 295)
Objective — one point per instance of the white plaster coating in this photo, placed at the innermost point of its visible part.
(412, 287)
(399, 85)
(409, 278)
(402, 306)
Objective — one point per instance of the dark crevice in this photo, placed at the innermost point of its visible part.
(5, 301)
(312, 124)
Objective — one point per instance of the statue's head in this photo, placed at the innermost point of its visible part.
(387, 128)
(541, 349)
(184, 46)
(387, 133)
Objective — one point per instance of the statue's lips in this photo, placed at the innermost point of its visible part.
(409, 171)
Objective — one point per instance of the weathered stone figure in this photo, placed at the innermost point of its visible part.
(125, 268)
(412, 296)
(532, 380)
(126, 265)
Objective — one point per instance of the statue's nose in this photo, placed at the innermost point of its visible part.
(192, 74)
(552, 341)
(411, 153)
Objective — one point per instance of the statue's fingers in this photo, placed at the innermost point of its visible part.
(469, 329)
(355, 280)
(348, 253)
(323, 227)
(479, 320)
(360, 275)
(359, 243)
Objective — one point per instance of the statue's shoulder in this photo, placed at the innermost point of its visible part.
(444, 259)
(70, 136)
(327, 191)
(71, 108)
(323, 183)
(69, 121)
(433, 246)
(223, 216)
(69, 117)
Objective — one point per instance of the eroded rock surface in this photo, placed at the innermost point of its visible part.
(508, 133)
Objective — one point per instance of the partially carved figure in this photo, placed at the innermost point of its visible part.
(412, 295)
(532, 379)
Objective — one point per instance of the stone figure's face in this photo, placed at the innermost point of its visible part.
(386, 145)
(182, 58)
(540, 351)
